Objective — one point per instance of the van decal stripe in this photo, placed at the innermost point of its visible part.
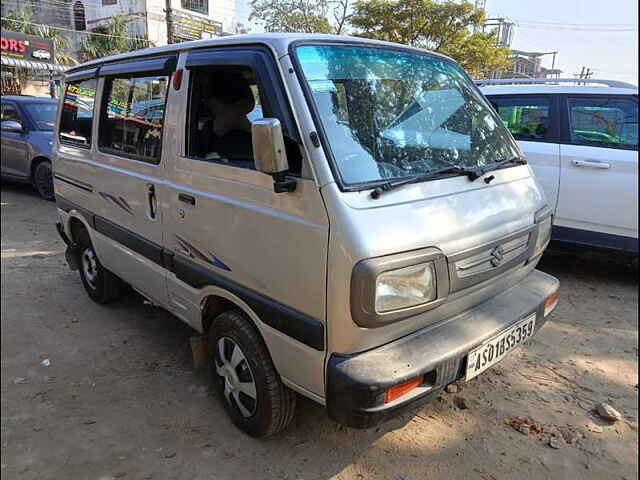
(194, 252)
(297, 325)
(118, 201)
(87, 187)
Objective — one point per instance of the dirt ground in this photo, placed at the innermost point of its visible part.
(119, 400)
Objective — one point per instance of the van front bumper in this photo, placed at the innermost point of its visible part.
(357, 384)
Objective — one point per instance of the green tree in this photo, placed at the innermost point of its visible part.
(22, 21)
(444, 27)
(306, 16)
(110, 39)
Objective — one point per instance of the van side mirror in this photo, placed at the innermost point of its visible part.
(11, 126)
(270, 154)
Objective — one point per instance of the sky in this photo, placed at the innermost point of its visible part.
(599, 34)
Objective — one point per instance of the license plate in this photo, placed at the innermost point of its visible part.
(495, 349)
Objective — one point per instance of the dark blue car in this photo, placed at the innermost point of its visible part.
(27, 134)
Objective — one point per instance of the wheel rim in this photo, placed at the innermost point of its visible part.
(90, 267)
(239, 384)
(44, 180)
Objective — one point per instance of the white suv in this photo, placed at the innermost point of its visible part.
(582, 143)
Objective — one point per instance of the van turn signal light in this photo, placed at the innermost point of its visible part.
(551, 302)
(401, 389)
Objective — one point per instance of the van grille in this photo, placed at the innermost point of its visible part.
(492, 257)
(482, 263)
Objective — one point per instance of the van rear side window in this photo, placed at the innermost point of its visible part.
(132, 117)
(77, 113)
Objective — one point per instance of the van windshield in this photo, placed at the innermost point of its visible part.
(389, 114)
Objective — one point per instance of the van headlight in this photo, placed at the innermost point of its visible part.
(393, 287)
(544, 234)
(405, 287)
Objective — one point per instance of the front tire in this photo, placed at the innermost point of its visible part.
(43, 180)
(100, 284)
(243, 374)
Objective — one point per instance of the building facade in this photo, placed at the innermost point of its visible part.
(188, 19)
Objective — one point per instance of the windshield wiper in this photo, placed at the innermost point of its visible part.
(385, 187)
(471, 173)
(494, 166)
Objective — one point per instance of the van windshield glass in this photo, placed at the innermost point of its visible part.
(390, 114)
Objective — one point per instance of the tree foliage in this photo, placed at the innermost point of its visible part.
(444, 27)
(112, 39)
(306, 16)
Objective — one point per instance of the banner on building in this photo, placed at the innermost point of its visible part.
(27, 47)
(191, 27)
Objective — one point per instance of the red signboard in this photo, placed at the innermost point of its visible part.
(27, 47)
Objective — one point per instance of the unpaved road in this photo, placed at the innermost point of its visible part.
(119, 399)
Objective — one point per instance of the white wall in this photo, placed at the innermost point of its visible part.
(147, 17)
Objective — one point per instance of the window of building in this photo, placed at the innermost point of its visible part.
(601, 121)
(133, 115)
(106, 3)
(526, 118)
(200, 6)
(77, 113)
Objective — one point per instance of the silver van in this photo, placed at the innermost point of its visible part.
(345, 219)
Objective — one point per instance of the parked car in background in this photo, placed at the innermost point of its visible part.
(27, 130)
(582, 143)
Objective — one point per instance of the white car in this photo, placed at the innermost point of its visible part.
(582, 143)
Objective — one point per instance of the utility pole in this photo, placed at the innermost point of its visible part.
(169, 19)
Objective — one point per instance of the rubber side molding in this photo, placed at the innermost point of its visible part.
(295, 324)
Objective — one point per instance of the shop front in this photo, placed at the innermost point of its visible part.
(28, 65)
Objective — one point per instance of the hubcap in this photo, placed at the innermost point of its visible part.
(239, 383)
(90, 267)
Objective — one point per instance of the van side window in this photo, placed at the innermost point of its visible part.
(526, 118)
(132, 117)
(604, 122)
(76, 118)
(223, 102)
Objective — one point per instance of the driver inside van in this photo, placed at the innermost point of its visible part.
(227, 136)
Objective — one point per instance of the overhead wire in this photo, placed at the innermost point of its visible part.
(80, 32)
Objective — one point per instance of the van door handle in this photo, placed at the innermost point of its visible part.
(186, 198)
(591, 164)
(151, 197)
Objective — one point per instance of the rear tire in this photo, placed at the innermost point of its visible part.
(243, 374)
(100, 284)
(43, 180)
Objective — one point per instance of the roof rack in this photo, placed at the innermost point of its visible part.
(577, 81)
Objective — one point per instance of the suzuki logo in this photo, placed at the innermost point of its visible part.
(497, 255)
